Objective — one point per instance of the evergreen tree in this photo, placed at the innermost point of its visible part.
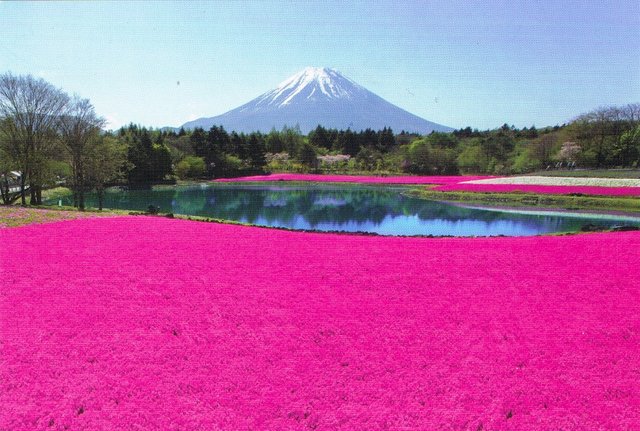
(256, 150)
(320, 138)
(274, 142)
(386, 140)
(198, 141)
(348, 143)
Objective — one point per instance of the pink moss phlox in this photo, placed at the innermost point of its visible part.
(540, 189)
(151, 323)
(356, 179)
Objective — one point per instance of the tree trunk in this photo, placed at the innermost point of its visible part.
(100, 198)
(80, 180)
(4, 187)
(81, 199)
(23, 193)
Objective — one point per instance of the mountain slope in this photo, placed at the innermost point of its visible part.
(318, 96)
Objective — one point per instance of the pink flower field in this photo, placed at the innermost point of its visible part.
(540, 189)
(453, 179)
(139, 323)
(445, 183)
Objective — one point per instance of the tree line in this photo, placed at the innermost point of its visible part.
(49, 137)
(44, 132)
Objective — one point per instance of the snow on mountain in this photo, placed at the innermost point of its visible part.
(312, 84)
(318, 96)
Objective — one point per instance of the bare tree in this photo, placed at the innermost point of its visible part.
(542, 148)
(79, 126)
(631, 113)
(32, 105)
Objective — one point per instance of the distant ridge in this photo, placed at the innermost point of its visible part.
(318, 96)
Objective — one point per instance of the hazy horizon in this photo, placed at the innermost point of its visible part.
(480, 65)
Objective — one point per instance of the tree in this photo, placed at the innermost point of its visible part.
(419, 157)
(32, 106)
(198, 141)
(256, 150)
(78, 126)
(442, 140)
(308, 156)
(348, 143)
(8, 163)
(320, 138)
(293, 139)
(471, 159)
(106, 162)
(627, 152)
(386, 140)
(274, 142)
(139, 156)
(599, 132)
(238, 144)
(5, 172)
(569, 152)
(191, 167)
(368, 138)
(541, 149)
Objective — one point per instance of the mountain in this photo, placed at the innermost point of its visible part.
(318, 96)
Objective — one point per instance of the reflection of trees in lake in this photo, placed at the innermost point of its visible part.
(315, 205)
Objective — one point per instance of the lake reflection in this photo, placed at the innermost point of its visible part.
(349, 208)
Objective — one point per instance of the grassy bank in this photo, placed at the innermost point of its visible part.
(14, 215)
(600, 203)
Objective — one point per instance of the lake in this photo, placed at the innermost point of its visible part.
(350, 208)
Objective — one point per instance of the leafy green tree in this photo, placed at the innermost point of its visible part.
(369, 158)
(161, 162)
(79, 126)
(32, 107)
(419, 157)
(191, 167)
(148, 162)
(627, 151)
(471, 159)
(106, 163)
(442, 140)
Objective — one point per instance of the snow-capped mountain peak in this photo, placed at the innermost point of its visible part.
(312, 83)
(318, 95)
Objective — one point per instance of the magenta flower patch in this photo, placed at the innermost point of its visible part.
(151, 323)
(452, 179)
(540, 189)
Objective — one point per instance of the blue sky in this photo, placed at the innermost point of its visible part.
(471, 63)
